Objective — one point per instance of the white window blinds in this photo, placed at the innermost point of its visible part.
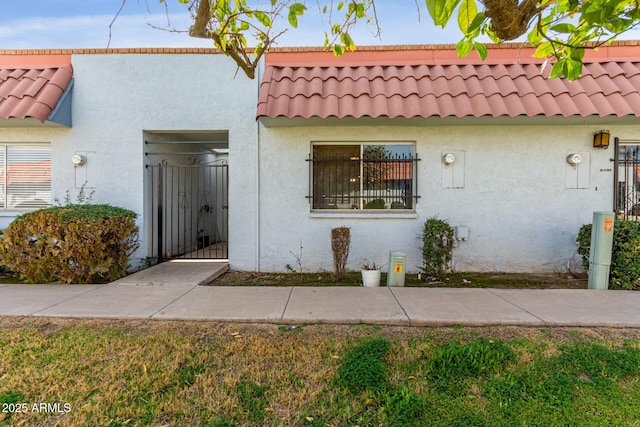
(25, 176)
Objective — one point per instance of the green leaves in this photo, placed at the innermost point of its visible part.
(70, 244)
(358, 9)
(441, 10)
(625, 259)
(263, 18)
(437, 246)
(296, 9)
(560, 28)
(569, 66)
(339, 39)
(464, 47)
(471, 24)
(564, 28)
(466, 15)
(481, 49)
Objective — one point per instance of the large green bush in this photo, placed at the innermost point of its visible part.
(625, 258)
(70, 244)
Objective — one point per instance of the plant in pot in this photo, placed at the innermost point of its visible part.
(371, 274)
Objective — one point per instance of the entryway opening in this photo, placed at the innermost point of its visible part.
(187, 194)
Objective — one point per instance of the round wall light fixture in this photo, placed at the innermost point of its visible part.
(78, 160)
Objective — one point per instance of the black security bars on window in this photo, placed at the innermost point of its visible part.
(371, 179)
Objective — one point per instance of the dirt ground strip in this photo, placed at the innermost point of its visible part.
(467, 280)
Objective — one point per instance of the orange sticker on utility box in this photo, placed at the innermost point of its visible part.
(608, 224)
(397, 268)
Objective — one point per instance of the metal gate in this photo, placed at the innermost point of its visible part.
(627, 180)
(190, 211)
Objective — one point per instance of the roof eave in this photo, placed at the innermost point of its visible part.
(274, 122)
(60, 116)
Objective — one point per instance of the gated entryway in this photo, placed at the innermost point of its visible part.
(627, 180)
(187, 198)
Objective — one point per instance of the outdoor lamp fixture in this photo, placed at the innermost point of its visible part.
(601, 139)
(78, 160)
(574, 159)
(448, 158)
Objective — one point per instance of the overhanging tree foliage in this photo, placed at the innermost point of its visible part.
(560, 29)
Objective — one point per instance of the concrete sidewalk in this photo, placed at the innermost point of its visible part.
(296, 305)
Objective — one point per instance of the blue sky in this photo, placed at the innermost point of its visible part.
(43, 24)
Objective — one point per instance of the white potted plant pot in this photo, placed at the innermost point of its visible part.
(371, 275)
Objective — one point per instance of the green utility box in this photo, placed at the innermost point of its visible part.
(600, 250)
(397, 267)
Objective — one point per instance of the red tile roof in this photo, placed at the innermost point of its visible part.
(31, 85)
(430, 81)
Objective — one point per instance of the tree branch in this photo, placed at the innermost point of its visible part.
(199, 27)
(114, 20)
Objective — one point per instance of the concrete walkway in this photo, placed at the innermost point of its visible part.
(147, 299)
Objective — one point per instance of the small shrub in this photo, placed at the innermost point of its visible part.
(584, 244)
(340, 243)
(437, 246)
(625, 258)
(363, 367)
(70, 244)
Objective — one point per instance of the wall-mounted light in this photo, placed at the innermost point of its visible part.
(601, 139)
(448, 158)
(78, 160)
(574, 159)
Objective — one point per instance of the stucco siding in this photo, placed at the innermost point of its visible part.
(510, 185)
(118, 97)
(517, 201)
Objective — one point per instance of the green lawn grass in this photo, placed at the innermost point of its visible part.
(153, 373)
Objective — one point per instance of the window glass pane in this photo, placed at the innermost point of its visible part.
(28, 180)
(336, 177)
(388, 176)
(370, 176)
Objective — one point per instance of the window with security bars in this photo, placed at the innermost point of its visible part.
(363, 176)
(25, 176)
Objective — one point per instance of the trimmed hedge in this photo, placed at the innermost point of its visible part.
(625, 258)
(70, 244)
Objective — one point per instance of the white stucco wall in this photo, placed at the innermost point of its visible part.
(520, 214)
(516, 203)
(117, 97)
